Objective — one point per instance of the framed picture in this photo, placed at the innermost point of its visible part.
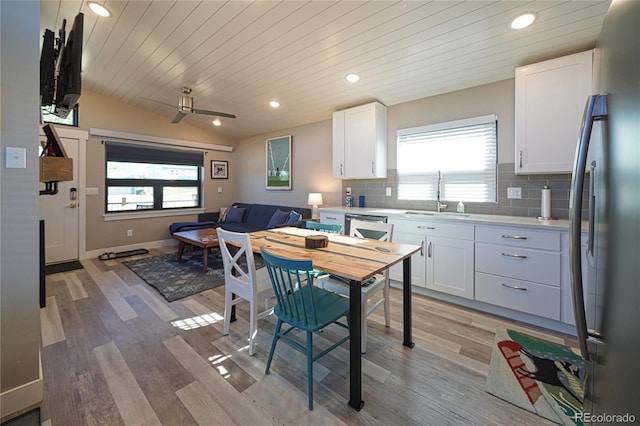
(219, 169)
(278, 153)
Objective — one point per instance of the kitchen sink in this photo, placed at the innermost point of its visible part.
(454, 214)
(421, 213)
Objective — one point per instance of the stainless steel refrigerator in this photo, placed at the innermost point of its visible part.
(607, 297)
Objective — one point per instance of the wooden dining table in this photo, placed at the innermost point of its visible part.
(356, 259)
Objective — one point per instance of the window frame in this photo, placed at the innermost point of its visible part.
(425, 181)
(163, 156)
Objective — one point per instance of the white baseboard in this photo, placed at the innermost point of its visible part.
(148, 245)
(22, 397)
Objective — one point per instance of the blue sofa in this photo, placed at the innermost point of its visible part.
(255, 217)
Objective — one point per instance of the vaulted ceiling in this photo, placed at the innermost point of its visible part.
(238, 55)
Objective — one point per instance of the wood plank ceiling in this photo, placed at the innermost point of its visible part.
(238, 55)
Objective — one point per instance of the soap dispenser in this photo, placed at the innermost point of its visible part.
(460, 208)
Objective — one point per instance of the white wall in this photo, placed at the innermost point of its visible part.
(20, 383)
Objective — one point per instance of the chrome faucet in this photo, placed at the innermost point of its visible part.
(440, 205)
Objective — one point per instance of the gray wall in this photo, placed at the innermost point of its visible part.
(19, 292)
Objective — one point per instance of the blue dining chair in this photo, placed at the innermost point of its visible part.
(331, 228)
(303, 306)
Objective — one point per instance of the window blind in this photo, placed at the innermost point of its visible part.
(463, 151)
(133, 153)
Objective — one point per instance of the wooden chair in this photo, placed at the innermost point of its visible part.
(304, 307)
(379, 282)
(243, 280)
(324, 227)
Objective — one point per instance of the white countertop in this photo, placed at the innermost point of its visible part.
(482, 219)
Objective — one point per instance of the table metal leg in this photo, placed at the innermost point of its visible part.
(355, 354)
(406, 302)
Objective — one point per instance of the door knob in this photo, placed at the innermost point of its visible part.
(72, 205)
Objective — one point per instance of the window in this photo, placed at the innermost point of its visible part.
(141, 177)
(464, 152)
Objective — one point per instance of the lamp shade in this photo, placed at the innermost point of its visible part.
(315, 199)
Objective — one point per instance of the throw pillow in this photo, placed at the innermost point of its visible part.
(278, 218)
(294, 217)
(235, 215)
(223, 214)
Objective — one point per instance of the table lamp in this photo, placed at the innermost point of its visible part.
(315, 200)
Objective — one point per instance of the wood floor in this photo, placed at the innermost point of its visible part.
(114, 352)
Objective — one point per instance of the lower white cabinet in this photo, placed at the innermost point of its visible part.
(332, 218)
(445, 263)
(450, 266)
(519, 269)
(524, 296)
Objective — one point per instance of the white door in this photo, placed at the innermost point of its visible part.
(61, 213)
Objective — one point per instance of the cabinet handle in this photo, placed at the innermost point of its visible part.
(520, 158)
(515, 287)
(429, 249)
(517, 256)
(514, 237)
(422, 248)
(331, 218)
(426, 227)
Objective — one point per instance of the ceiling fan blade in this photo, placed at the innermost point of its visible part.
(219, 114)
(158, 102)
(179, 116)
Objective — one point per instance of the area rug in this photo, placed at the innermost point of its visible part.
(177, 279)
(540, 376)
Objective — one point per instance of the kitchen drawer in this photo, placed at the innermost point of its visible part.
(435, 228)
(521, 237)
(523, 296)
(520, 263)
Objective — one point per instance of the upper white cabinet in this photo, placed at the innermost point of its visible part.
(549, 102)
(360, 142)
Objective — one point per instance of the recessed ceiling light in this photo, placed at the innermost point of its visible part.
(523, 21)
(216, 122)
(274, 104)
(99, 9)
(352, 78)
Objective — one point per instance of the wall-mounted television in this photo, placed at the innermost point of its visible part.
(67, 54)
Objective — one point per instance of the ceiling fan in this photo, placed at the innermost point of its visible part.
(185, 106)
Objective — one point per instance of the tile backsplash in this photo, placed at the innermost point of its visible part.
(529, 205)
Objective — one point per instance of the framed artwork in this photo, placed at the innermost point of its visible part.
(278, 156)
(219, 169)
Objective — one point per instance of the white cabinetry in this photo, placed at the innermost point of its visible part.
(332, 218)
(446, 261)
(519, 269)
(360, 142)
(549, 102)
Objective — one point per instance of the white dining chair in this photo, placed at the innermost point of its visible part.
(244, 281)
(378, 283)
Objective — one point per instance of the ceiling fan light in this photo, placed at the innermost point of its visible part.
(274, 104)
(522, 21)
(99, 9)
(216, 122)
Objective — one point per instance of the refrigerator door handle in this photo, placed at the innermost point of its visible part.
(596, 108)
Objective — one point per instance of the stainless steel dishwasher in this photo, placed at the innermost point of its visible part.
(348, 217)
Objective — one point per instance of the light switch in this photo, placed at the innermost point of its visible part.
(16, 158)
(388, 191)
(219, 190)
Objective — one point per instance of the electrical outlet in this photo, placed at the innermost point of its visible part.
(514, 193)
(129, 232)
